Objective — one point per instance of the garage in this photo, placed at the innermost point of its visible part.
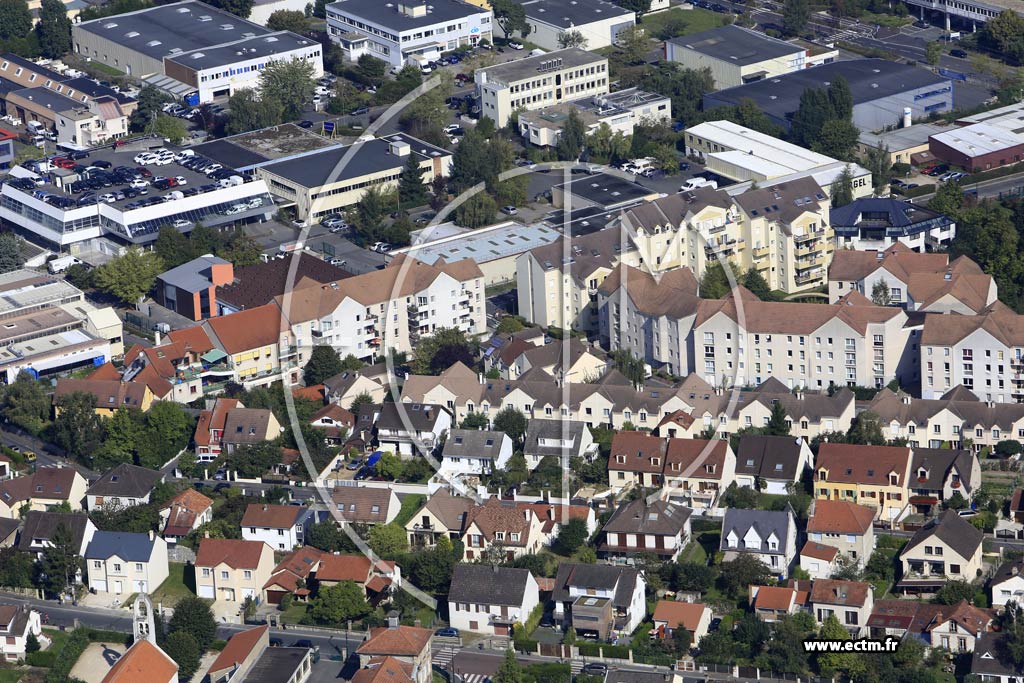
(98, 586)
(205, 592)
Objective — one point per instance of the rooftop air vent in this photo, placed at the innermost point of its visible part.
(153, 43)
(206, 17)
(110, 25)
(183, 10)
(131, 34)
(270, 39)
(227, 27)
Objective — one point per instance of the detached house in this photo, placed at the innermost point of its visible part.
(956, 628)
(501, 526)
(1007, 584)
(946, 548)
(491, 599)
(775, 461)
(442, 515)
(669, 616)
(45, 489)
(769, 535)
(475, 452)
(366, 505)
(375, 579)
(660, 527)
(772, 603)
(124, 486)
(184, 513)
(231, 570)
(850, 602)
(228, 425)
(282, 527)
(39, 528)
(937, 474)
(843, 525)
(16, 623)
(989, 663)
(122, 563)
(411, 428)
(335, 422)
(409, 645)
(562, 439)
(875, 476)
(599, 598)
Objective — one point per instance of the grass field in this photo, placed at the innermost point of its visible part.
(695, 20)
(175, 587)
(9, 676)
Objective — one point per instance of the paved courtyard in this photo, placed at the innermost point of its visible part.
(96, 661)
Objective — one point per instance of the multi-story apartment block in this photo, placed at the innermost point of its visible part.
(410, 31)
(949, 420)
(874, 476)
(390, 308)
(916, 281)
(540, 81)
(983, 353)
(259, 347)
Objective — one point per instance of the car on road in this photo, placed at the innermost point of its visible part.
(595, 669)
(30, 456)
(453, 129)
(447, 632)
(509, 210)
(360, 111)
(959, 54)
(515, 45)
(305, 124)
(303, 642)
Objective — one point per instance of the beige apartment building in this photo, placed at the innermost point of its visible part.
(258, 346)
(231, 570)
(540, 81)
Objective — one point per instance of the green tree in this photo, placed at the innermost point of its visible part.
(633, 43)
(252, 111)
(831, 663)
(511, 17)
(53, 29)
(255, 460)
(511, 421)
(441, 350)
(476, 212)
(323, 363)
(1004, 34)
(77, 428)
(758, 286)
(509, 671)
(570, 141)
(388, 540)
(778, 422)
(880, 294)
(641, 7)
(240, 8)
(325, 536)
(130, 276)
(288, 20)
(952, 592)
(193, 615)
(795, 14)
(31, 643)
(842, 189)
(572, 38)
(840, 99)
(933, 52)
(630, 365)
(878, 161)
(181, 646)
(1011, 638)
(809, 118)
(25, 403)
(741, 573)
(350, 362)
(371, 69)
(866, 430)
(60, 561)
(837, 139)
(475, 420)
(288, 82)
(241, 249)
(169, 427)
(714, 284)
(390, 466)
(168, 127)
(362, 399)
(16, 568)
(948, 200)
(339, 603)
(370, 212)
(412, 191)
(571, 535)
(173, 247)
(15, 19)
(205, 240)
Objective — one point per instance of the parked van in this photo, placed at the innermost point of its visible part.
(59, 265)
(638, 166)
(35, 127)
(698, 182)
(231, 181)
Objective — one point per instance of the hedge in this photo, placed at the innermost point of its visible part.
(44, 658)
(526, 645)
(616, 651)
(588, 649)
(73, 648)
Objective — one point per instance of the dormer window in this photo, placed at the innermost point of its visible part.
(893, 479)
(822, 475)
(656, 461)
(515, 537)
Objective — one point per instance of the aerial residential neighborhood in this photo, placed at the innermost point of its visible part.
(511, 341)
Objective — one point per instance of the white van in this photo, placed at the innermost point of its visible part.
(698, 182)
(59, 265)
(638, 166)
(231, 181)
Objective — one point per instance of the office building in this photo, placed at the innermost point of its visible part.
(191, 50)
(323, 182)
(598, 21)
(735, 55)
(191, 288)
(620, 111)
(990, 142)
(748, 156)
(540, 81)
(881, 91)
(902, 143)
(406, 31)
(968, 13)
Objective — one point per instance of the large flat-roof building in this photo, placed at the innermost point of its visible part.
(540, 81)
(902, 143)
(748, 156)
(191, 49)
(620, 111)
(881, 91)
(598, 21)
(983, 141)
(736, 55)
(967, 12)
(406, 30)
(324, 181)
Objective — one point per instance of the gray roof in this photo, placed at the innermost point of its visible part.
(640, 517)
(518, 69)
(276, 665)
(769, 457)
(29, 65)
(473, 443)
(93, 89)
(41, 525)
(178, 25)
(129, 547)
(254, 47)
(487, 585)
(869, 79)
(1007, 570)
(8, 527)
(988, 659)
(939, 462)
(598, 576)
(129, 481)
(228, 153)
(953, 530)
(765, 522)
(247, 425)
(387, 14)
(974, 413)
(48, 98)
(421, 417)
(560, 430)
(193, 276)
(737, 45)
(604, 190)
(324, 167)
(566, 14)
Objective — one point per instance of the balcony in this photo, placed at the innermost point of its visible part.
(762, 251)
(808, 277)
(723, 247)
(800, 239)
(288, 351)
(717, 228)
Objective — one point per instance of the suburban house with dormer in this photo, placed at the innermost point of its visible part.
(956, 628)
(231, 570)
(1007, 585)
(599, 599)
(843, 525)
(409, 429)
(945, 549)
(16, 623)
(282, 527)
(500, 527)
(562, 439)
(989, 664)
(769, 535)
(939, 473)
(639, 526)
(850, 602)
(772, 603)
(44, 489)
(475, 452)
(184, 513)
(124, 486)
(123, 563)
(875, 476)
(771, 463)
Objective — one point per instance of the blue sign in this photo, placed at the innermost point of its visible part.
(192, 99)
(328, 126)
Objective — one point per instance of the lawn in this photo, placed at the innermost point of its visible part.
(294, 613)
(57, 638)
(694, 553)
(9, 675)
(175, 587)
(410, 504)
(696, 20)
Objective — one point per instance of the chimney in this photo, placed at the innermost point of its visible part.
(152, 535)
(418, 623)
(265, 507)
(393, 619)
(1014, 570)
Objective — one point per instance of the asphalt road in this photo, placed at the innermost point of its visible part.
(997, 187)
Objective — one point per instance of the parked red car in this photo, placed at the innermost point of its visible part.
(63, 162)
(146, 173)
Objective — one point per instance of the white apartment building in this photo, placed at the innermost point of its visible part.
(983, 353)
(621, 111)
(389, 308)
(407, 31)
(540, 81)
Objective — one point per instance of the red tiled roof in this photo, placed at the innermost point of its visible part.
(840, 517)
(250, 329)
(313, 393)
(107, 371)
(774, 597)
(271, 516)
(835, 592)
(239, 647)
(819, 551)
(344, 568)
(384, 670)
(404, 641)
(676, 614)
(143, 661)
(299, 564)
(233, 552)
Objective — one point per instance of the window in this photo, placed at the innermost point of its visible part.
(96, 564)
(117, 567)
(138, 566)
(247, 574)
(206, 572)
(224, 576)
